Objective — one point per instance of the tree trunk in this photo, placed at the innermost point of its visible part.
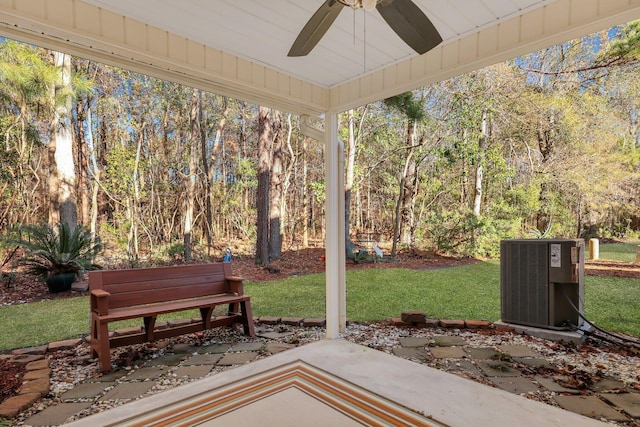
(482, 142)
(276, 190)
(190, 179)
(265, 138)
(348, 185)
(305, 195)
(62, 173)
(404, 210)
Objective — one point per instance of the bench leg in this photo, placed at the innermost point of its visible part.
(206, 313)
(149, 326)
(100, 345)
(233, 308)
(247, 318)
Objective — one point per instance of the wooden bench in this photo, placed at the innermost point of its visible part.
(147, 292)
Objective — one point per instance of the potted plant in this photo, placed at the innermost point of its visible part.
(58, 255)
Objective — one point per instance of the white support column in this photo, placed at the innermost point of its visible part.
(334, 218)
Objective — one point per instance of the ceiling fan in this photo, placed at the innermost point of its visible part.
(403, 16)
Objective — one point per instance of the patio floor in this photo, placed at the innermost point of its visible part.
(330, 382)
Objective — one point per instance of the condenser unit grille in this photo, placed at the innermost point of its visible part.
(541, 280)
(524, 282)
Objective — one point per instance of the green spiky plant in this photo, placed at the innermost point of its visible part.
(51, 252)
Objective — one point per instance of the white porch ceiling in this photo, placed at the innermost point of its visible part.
(263, 31)
(239, 47)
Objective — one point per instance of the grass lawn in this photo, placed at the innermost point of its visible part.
(465, 292)
(625, 252)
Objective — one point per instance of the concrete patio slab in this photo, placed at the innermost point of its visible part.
(428, 396)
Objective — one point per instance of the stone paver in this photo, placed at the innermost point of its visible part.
(39, 385)
(608, 384)
(553, 386)
(86, 391)
(38, 350)
(203, 359)
(409, 352)
(447, 340)
(534, 362)
(466, 366)
(483, 353)
(277, 347)
(516, 385)
(109, 376)
(274, 335)
(64, 345)
(169, 359)
(183, 348)
(314, 322)
(128, 390)
(293, 321)
(34, 375)
(518, 350)
(589, 406)
(37, 365)
(16, 404)
(148, 372)
(192, 371)
(447, 352)
(248, 346)
(415, 341)
(238, 358)
(58, 414)
(215, 348)
(497, 369)
(628, 402)
(454, 323)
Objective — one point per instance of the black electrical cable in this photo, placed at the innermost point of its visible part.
(604, 331)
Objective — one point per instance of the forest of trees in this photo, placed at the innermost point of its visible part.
(543, 145)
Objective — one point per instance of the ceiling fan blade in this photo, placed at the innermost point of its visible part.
(316, 28)
(410, 23)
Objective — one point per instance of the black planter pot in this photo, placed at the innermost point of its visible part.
(60, 282)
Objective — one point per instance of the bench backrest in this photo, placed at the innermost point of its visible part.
(139, 286)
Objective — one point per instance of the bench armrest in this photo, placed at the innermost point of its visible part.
(100, 301)
(235, 284)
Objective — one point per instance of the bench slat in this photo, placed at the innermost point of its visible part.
(138, 297)
(163, 308)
